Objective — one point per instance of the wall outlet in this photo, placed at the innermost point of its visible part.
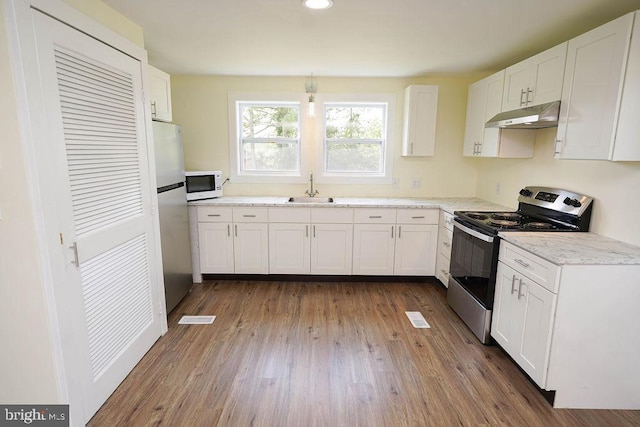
(396, 182)
(416, 183)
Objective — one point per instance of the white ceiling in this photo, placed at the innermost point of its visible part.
(381, 38)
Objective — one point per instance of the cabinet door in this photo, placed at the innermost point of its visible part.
(592, 86)
(547, 75)
(373, 249)
(474, 126)
(505, 308)
(415, 251)
(331, 248)
(490, 141)
(216, 247)
(251, 248)
(420, 111)
(289, 248)
(516, 82)
(160, 95)
(537, 308)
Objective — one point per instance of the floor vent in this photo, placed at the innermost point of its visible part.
(417, 320)
(197, 320)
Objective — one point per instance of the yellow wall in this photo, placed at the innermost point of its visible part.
(614, 185)
(108, 17)
(27, 370)
(200, 105)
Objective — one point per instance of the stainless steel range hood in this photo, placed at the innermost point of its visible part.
(537, 117)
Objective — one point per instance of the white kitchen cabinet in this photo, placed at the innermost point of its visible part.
(420, 112)
(251, 240)
(289, 248)
(536, 80)
(215, 240)
(160, 95)
(445, 237)
(373, 249)
(316, 241)
(331, 249)
(572, 328)
(485, 101)
(601, 95)
(251, 248)
(522, 319)
(416, 242)
(216, 248)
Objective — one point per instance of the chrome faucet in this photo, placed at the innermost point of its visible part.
(311, 192)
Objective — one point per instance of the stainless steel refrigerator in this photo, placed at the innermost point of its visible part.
(174, 217)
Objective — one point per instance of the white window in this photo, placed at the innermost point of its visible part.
(266, 138)
(356, 143)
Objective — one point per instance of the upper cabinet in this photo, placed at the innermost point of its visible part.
(420, 110)
(536, 80)
(484, 102)
(601, 94)
(160, 94)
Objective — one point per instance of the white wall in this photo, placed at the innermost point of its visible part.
(200, 105)
(614, 185)
(27, 373)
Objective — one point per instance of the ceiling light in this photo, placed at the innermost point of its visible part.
(317, 4)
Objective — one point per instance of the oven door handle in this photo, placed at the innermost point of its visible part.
(474, 233)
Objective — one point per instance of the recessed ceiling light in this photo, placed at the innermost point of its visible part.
(317, 4)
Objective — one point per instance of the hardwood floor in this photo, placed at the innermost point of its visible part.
(329, 354)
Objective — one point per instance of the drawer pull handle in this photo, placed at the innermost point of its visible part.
(417, 217)
(444, 271)
(306, 231)
(228, 230)
(392, 231)
(522, 263)
(249, 216)
(447, 244)
(375, 216)
(513, 284)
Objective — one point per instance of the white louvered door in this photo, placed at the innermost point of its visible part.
(95, 117)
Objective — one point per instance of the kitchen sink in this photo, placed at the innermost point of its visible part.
(314, 200)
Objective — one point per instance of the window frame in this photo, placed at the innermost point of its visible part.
(386, 177)
(235, 138)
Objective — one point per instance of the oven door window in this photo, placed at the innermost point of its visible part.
(472, 262)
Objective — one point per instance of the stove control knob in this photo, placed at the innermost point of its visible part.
(572, 202)
(526, 193)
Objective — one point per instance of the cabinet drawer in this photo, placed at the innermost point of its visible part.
(375, 216)
(214, 214)
(445, 236)
(332, 216)
(250, 215)
(417, 216)
(442, 270)
(539, 270)
(300, 215)
(446, 220)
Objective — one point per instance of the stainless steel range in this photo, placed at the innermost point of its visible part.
(474, 249)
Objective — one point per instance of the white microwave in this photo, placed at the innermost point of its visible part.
(203, 185)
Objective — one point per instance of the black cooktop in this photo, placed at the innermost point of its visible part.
(494, 222)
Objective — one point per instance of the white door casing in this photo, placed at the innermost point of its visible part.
(86, 123)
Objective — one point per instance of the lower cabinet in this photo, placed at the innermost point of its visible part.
(323, 241)
(216, 248)
(300, 245)
(522, 320)
(373, 249)
(251, 248)
(445, 237)
(415, 250)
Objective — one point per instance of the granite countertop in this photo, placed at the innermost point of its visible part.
(566, 248)
(449, 204)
